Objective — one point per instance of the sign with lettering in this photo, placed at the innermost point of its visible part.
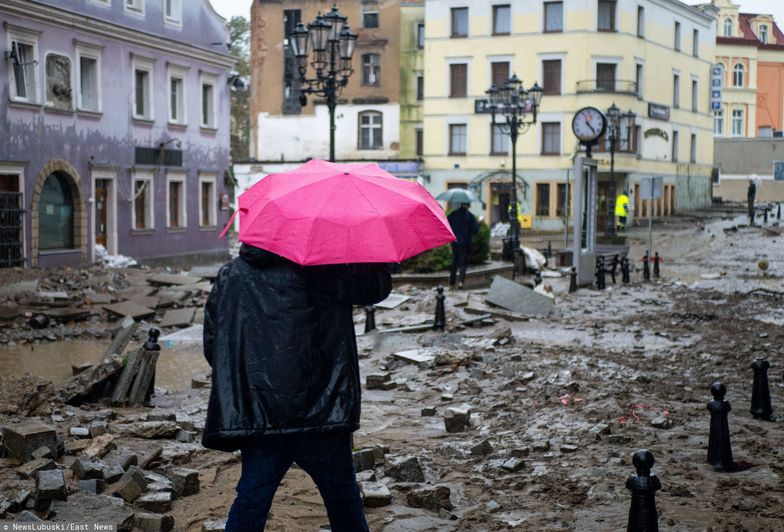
(717, 82)
(659, 112)
(482, 107)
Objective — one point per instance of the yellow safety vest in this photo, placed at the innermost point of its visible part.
(622, 205)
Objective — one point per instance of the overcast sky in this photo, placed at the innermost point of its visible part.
(230, 8)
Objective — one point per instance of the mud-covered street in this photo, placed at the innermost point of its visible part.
(510, 423)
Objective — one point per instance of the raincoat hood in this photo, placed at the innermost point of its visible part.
(258, 257)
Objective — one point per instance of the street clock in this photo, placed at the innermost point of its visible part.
(588, 125)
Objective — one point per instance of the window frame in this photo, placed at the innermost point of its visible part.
(537, 203)
(367, 56)
(543, 135)
(760, 34)
(210, 80)
(28, 38)
(420, 88)
(181, 73)
(452, 93)
(137, 7)
(737, 114)
(675, 148)
(372, 126)
(499, 61)
(676, 90)
(693, 148)
(95, 53)
(496, 8)
(212, 215)
(641, 22)
(182, 179)
(545, 6)
(145, 65)
(729, 25)
(677, 36)
(143, 176)
(371, 12)
(614, 19)
(695, 95)
(453, 11)
(718, 120)
(451, 129)
(639, 79)
(497, 129)
(419, 142)
(173, 20)
(545, 90)
(739, 68)
(420, 35)
(695, 50)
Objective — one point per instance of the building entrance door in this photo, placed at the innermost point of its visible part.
(101, 211)
(500, 199)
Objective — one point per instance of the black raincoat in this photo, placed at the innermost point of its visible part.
(280, 340)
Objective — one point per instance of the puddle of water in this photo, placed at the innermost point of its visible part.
(177, 364)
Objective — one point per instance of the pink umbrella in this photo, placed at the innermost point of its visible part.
(328, 213)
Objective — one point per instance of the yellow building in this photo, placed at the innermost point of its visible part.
(649, 56)
(412, 89)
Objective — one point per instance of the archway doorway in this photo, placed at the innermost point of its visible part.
(56, 211)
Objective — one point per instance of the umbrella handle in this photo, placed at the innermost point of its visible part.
(231, 221)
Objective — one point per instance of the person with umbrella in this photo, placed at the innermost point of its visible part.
(279, 332)
(464, 226)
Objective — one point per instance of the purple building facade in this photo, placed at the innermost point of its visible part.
(114, 130)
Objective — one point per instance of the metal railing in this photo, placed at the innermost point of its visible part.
(11, 220)
(608, 86)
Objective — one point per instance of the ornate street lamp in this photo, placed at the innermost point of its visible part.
(516, 107)
(617, 122)
(331, 44)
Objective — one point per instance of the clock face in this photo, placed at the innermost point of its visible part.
(589, 124)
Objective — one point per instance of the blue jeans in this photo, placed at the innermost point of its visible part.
(326, 457)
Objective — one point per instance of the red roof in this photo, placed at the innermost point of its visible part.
(749, 38)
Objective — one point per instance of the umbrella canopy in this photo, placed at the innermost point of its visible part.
(457, 195)
(328, 213)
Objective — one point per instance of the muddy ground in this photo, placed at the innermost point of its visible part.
(572, 396)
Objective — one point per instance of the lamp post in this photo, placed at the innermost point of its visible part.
(517, 107)
(333, 47)
(617, 122)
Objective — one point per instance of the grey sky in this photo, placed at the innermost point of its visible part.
(232, 8)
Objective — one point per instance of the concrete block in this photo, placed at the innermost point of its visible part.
(22, 439)
(131, 485)
(184, 481)
(517, 298)
(157, 502)
(148, 522)
(31, 468)
(51, 485)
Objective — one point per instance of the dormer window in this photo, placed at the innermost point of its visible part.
(763, 34)
(728, 27)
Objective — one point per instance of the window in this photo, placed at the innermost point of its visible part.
(135, 6)
(561, 199)
(142, 214)
(676, 91)
(370, 19)
(458, 134)
(172, 12)
(737, 122)
(420, 142)
(675, 142)
(738, 75)
(207, 202)
(500, 140)
(763, 34)
(677, 44)
(695, 47)
(56, 214)
(420, 36)
(639, 79)
(177, 106)
(502, 20)
(175, 199)
(370, 130)
(142, 89)
(606, 15)
(371, 70)
(23, 74)
(718, 123)
(728, 29)
(640, 21)
(551, 138)
(551, 76)
(694, 96)
(460, 22)
(693, 156)
(88, 61)
(605, 77)
(543, 199)
(499, 73)
(553, 16)
(458, 80)
(208, 84)
(420, 88)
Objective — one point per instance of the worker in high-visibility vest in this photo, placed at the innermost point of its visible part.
(622, 210)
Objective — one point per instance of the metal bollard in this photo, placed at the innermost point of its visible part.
(646, 267)
(573, 280)
(537, 277)
(760, 392)
(719, 445)
(625, 273)
(656, 270)
(643, 516)
(370, 318)
(153, 347)
(439, 322)
(549, 250)
(779, 213)
(600, 278)
(765, 215)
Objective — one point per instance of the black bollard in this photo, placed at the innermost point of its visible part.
(719, 445)
(601, 283)
(549, 250)
(152, 346)
(537, 277)
(656, 270)
(370, 318)
(779, 213)
(573, 280)
(760, 392)
(646, 267)
(765, 215)
(439, 323)
(642, 512)
(625, 273)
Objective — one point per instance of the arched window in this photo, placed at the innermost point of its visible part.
(728, 27)
(738, 75)
(56, 214)
(370, 129)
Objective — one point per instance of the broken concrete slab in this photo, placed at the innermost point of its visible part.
(65, 315)
(86, 507)
(364, 459)
(421, 357)
(375, 494)
(128, 308)
(184, 481)
(513, 465)
(457, 419)
(145, 301)
(205, 272)
(393, 301)
(194, 333)
(94, 485)
(50, 484)
(100, 299)
(517, 298)
(218, 525)
(148, 430)
(432, 498)
(131, 485)
(405, 469)
(16, 289)
(31, 468)
(167, 279)
(148, 522)
(178, 318)
(158, 502)
(22, 439)
(41, 294)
